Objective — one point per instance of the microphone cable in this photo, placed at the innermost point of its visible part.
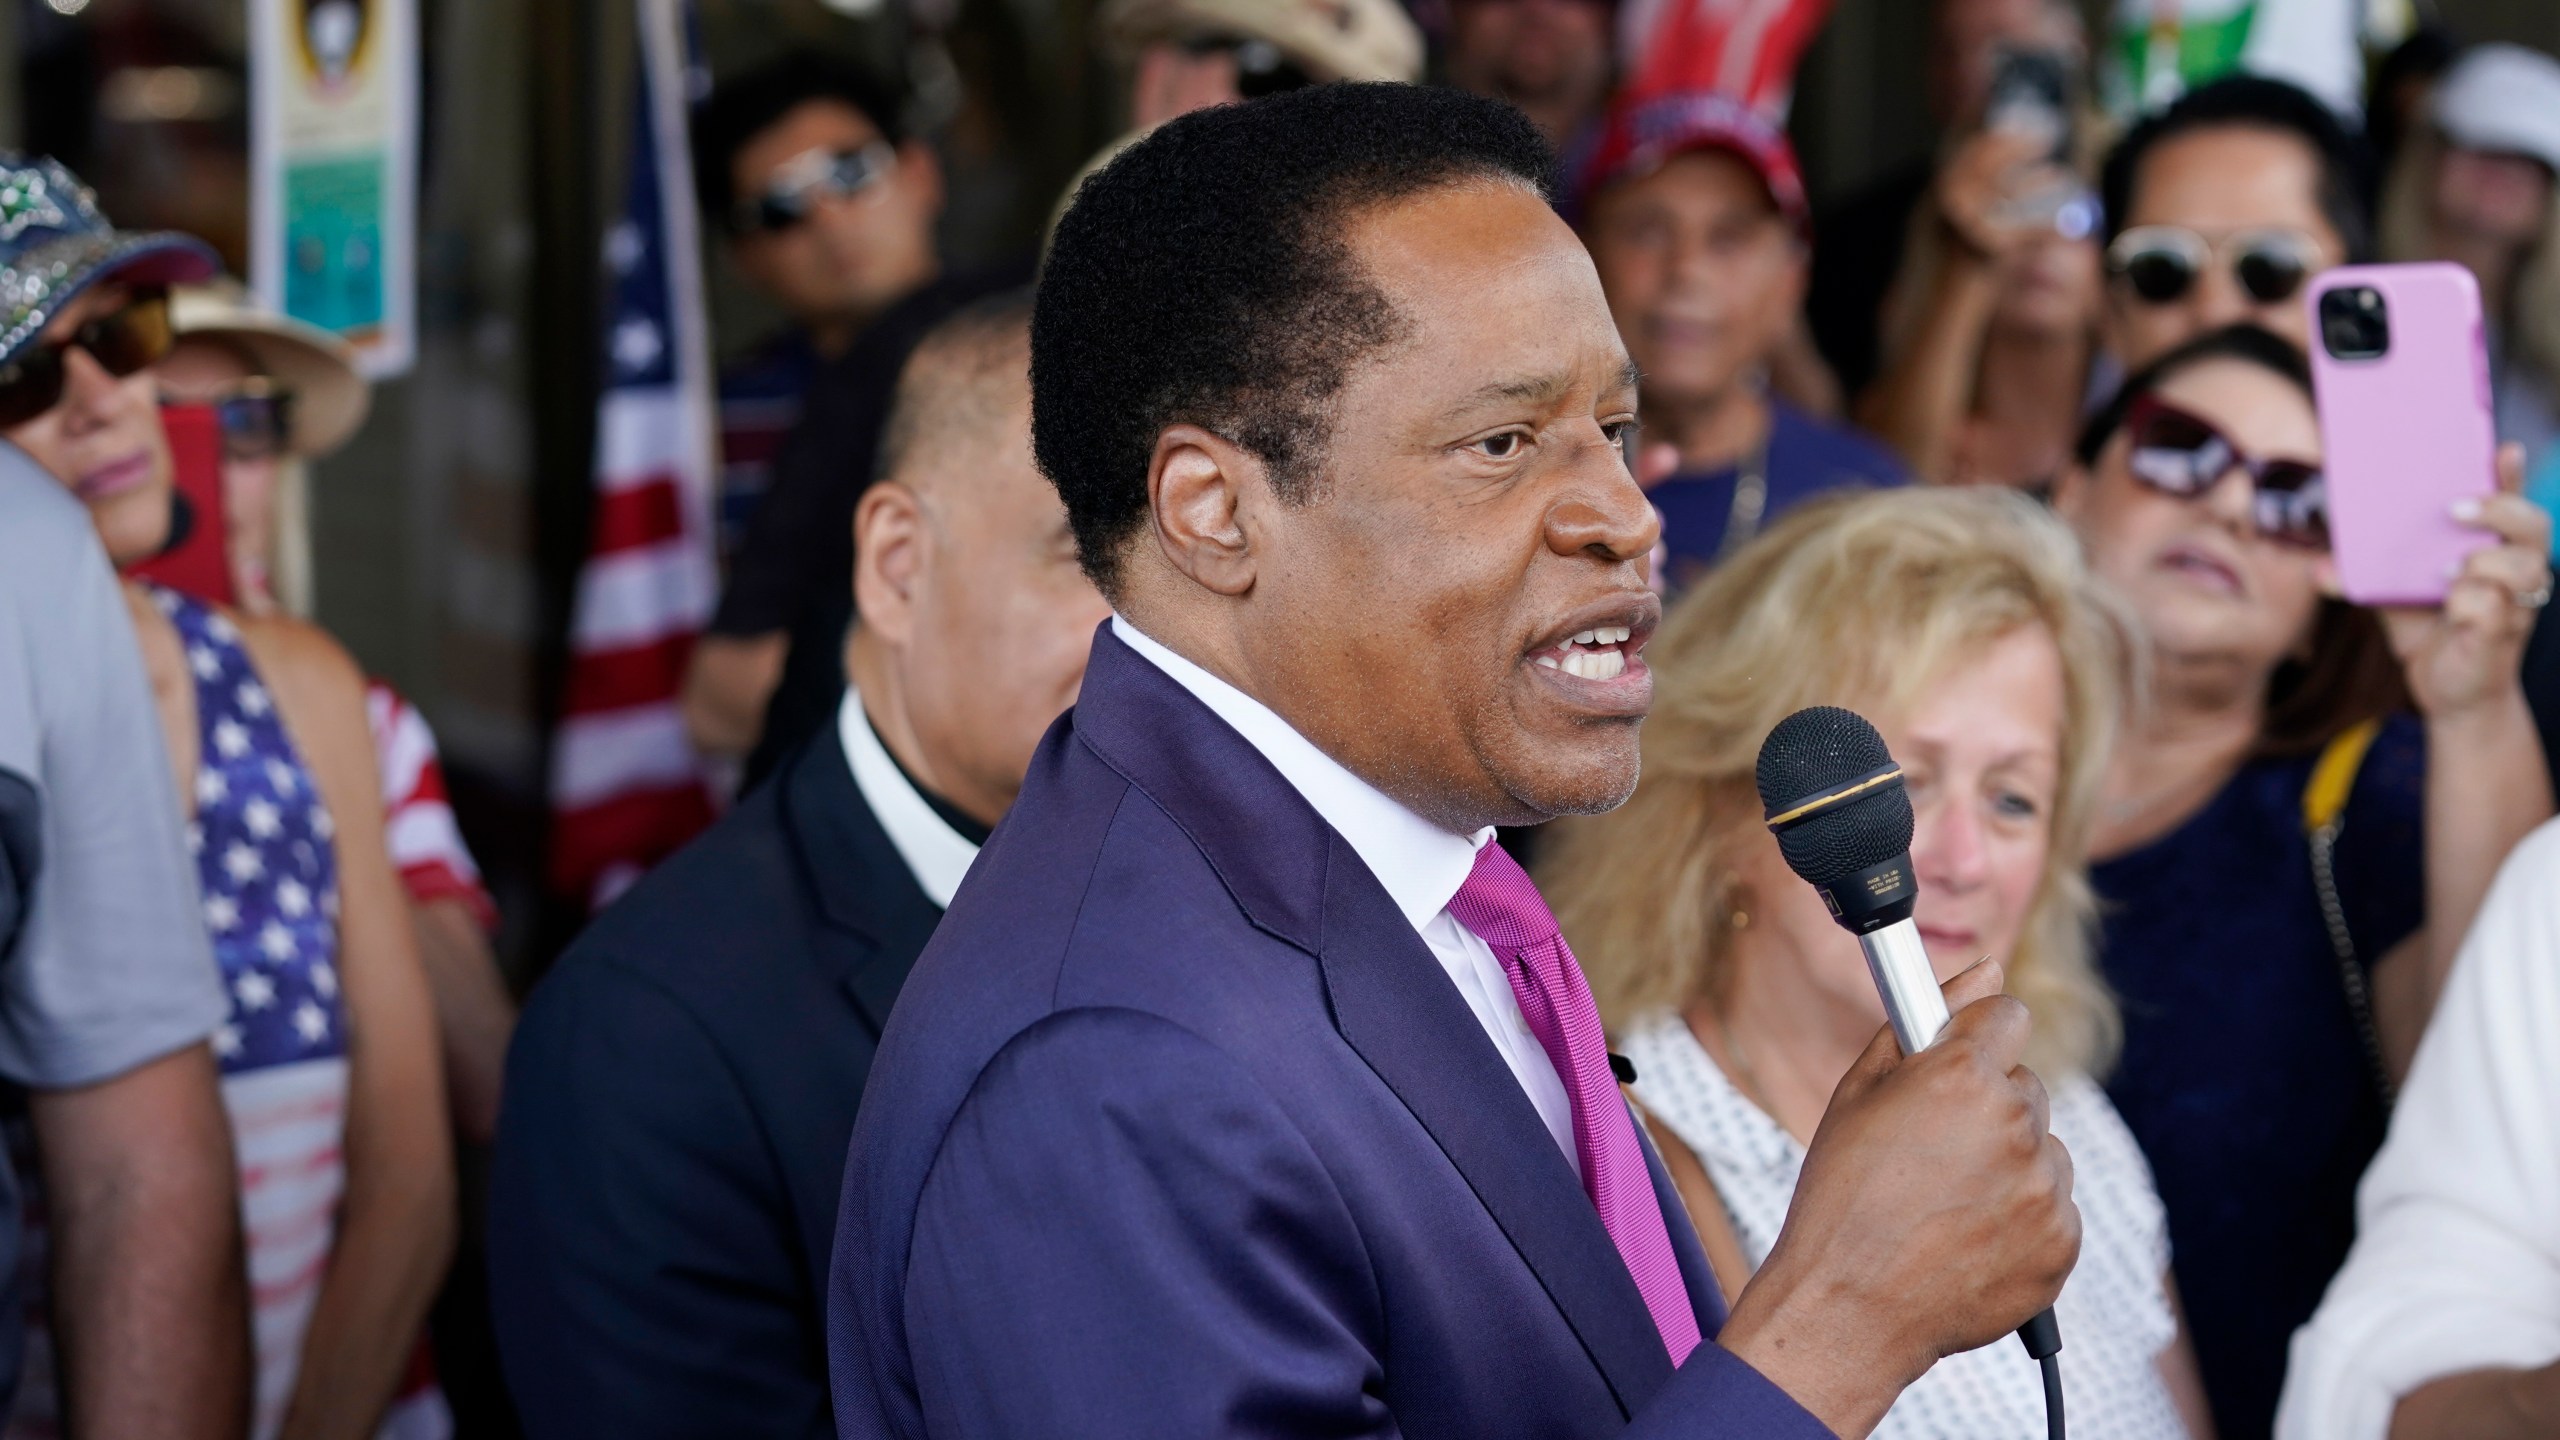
(1836, 800)
(2052, 1367)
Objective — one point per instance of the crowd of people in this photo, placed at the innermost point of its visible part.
(2016, 452)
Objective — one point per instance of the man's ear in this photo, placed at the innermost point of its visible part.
(1201, 493)
(891, 545)
(920, 169)
(2071, 490)
(1797, 278)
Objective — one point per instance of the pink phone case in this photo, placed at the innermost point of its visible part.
(2406, 433)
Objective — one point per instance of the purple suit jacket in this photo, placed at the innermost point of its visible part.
(1178, 1129)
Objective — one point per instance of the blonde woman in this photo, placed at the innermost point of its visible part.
(1962, 623)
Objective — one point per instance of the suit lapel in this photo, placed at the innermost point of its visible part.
(1395, 1005)
(875, 918)
(1297, 880)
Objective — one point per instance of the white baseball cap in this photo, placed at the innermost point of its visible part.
(2503, 98)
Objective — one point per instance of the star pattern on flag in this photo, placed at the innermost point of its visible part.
(263, 861)
(637, 345)
(625, 246)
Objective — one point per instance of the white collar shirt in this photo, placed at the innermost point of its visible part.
(1417, 863)
(937, 855)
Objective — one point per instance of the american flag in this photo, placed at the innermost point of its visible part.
(1746, 49)
(627, 787)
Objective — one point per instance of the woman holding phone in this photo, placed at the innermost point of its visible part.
(2294, 833)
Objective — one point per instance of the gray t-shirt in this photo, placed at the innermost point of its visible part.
(110, 966)
(104, 961)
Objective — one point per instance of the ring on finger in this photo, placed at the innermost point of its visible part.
(2535, 598)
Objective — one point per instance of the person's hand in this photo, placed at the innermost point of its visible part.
(2468, 653)
(1979, 190)
(2483, 1403)
(1933, 1216)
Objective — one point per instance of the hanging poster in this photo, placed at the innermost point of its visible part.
(333, 142)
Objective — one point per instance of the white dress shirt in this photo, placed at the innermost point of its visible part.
(1417, 863)
(2456, 1265)
(938, 855)
(2114, 1309)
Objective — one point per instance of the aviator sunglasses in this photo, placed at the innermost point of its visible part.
(122, 341)
(818, 175)
(2178, 454)
(1261, 68)
(2163, 262)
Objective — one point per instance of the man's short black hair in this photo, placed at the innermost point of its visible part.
(751, 102)
(1202, 276)
(959, 387)
(2256, 102)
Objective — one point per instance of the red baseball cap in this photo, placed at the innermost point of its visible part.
(1640, 135)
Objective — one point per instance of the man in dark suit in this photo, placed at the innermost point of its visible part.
(1248, 1089)
(680, 1091)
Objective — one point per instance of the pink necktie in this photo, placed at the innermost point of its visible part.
(1501, 904)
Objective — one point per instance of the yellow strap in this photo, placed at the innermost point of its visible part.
(2334, 777)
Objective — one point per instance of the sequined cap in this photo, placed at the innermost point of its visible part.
(54, 244)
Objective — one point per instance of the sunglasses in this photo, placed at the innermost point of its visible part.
(2179, 454)
(1261, 68)
(2163, 262)
(818, 175)
(255, 419)
(122, 341)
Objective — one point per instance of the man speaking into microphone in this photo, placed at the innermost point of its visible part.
(1248, 1089)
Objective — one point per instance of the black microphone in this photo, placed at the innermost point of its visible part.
(1835, 799)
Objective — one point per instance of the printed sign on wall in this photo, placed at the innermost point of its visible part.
(333, 139)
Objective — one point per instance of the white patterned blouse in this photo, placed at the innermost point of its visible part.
(2114, 1311)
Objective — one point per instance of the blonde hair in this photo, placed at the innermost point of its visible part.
(1865, 601)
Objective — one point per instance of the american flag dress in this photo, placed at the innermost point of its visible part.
(270, 879)
(269, 876)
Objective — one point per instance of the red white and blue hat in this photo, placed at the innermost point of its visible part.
(1640, 135)
(54, 244)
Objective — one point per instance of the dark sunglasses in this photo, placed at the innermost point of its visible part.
(256, 420)
(818, 175)
(1261, 68)
(2179, 454)
(2162, 262)
(122, 341)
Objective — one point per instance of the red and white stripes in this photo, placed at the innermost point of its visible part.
(1745, 49)
(627, 787)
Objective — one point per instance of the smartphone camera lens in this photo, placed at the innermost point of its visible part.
(2354, 323)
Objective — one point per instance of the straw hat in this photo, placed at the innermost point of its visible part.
(1329, 39)
(329, 397)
